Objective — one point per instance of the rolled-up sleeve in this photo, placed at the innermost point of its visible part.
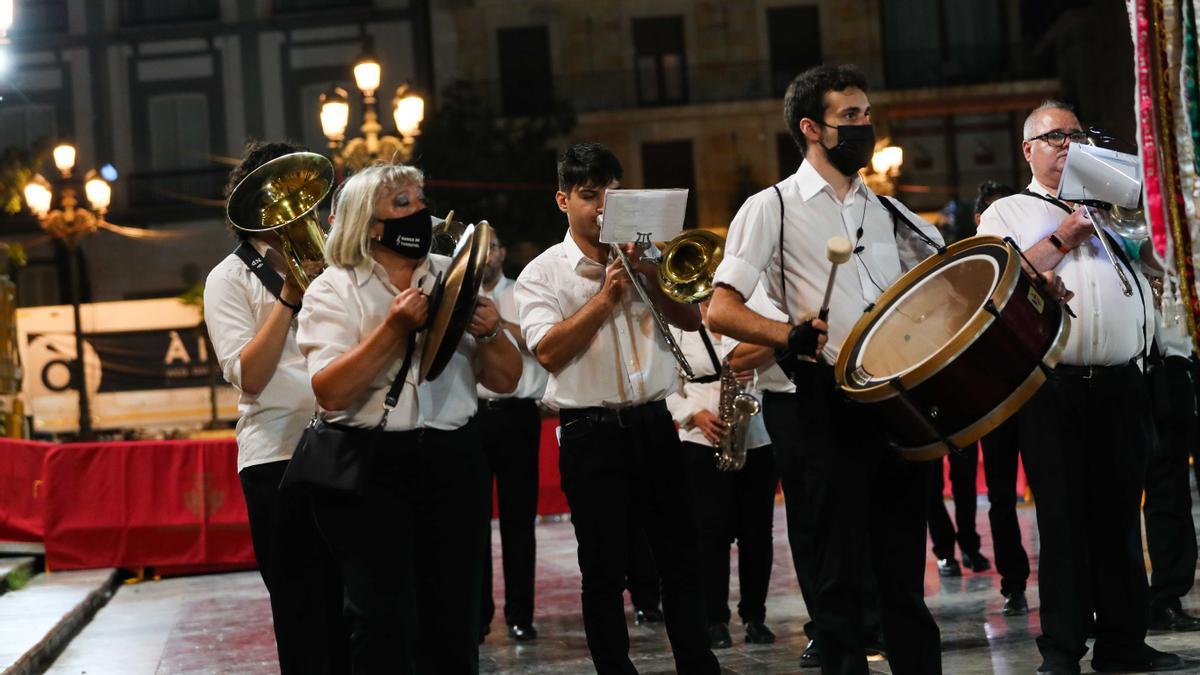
(230, 319)
(328, 326)
(537, 305)
(753, 239)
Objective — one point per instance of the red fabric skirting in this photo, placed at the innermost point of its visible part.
(22, 490)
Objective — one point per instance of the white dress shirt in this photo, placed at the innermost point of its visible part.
(1108, 328)
(236, 305)
(625, 363)
(812, 215)
(692, 397)
(342, 307)
(533, 376)
(767, 377)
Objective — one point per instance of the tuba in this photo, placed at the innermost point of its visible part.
(686, 269)
(281, 196)
(735, 408)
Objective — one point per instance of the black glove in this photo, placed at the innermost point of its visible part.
(802, 341)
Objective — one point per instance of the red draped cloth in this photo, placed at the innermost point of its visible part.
(22, 490)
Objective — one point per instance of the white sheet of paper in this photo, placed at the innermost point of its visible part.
(629, 213)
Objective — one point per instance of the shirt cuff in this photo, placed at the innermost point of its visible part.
(534, 335)
(739, 275)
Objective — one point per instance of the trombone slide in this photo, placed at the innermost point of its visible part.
(1094, 216)
(663, 329)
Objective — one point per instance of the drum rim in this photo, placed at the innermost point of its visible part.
(966, 336)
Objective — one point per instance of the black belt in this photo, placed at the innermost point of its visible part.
(1092, 372)
(502, 403)
(618, 417)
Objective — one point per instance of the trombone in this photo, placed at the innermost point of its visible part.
(685, 274)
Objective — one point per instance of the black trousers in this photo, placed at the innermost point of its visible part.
(734, 506)
(615, 473)
(511, 429)
(964, 467)
(1085, 439)
(1170, 532)
(1000, 453)
(866, 504)
(407, 549)
(642, 580)
(783, 425)
(300, 574)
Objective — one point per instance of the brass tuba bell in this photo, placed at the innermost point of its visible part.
(282, 196)
(689, 263)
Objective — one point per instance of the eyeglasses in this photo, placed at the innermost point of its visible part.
(1058, 138)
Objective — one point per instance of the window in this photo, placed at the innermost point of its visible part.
(669, 165)
(659, 61)
(22, 126)
(33, 17)
(179, 152)
(787, 155)
(943, 42)
(309, 5)
(795, 37)
(135, 12)
(526, 81)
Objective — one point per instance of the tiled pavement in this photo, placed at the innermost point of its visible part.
(221, 623)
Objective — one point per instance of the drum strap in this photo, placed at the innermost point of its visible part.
(898, 217)
(782, 277)
(258, 265)
(1116, 247)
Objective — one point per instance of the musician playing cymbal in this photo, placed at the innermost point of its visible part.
(1087, 433)
(867, 504)
(620, 458)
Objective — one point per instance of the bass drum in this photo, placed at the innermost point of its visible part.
(953, 348)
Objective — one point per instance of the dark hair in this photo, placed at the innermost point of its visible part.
(586, 164)
(255, 155)
(805, 96)
(990, 191)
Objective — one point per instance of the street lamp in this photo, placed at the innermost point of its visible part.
(70, 223)
(408, 110)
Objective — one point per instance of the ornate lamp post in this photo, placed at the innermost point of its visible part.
(408, 110)
(70, 223)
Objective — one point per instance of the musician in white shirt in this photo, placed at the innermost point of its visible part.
(253, 333)
(1087, 432)
(511, 428)
(736, 505)
(620, 459)
(409, 546)
(865, 499)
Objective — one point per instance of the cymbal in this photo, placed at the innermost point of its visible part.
(454, 302)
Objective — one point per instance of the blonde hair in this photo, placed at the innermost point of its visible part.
(349, 240)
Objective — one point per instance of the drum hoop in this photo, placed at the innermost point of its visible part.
(944, 356)
(1004, 410)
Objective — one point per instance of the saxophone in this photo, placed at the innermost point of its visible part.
(735, 409)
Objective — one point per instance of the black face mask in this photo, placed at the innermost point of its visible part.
(855, 146)
(409, 236)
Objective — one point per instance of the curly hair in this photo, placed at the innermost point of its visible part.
(805, 96)
(255, 155)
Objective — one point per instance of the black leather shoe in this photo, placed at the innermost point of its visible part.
(651, 615)
(718, 636)
(1147, 659)
(757, 633)
(948, 567)
(976, 562)
(1173, 619)
(810, 658)
(1015, 605)
(522, 633)
(483, 632)
(876, 652)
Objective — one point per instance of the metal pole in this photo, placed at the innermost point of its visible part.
(85, 413)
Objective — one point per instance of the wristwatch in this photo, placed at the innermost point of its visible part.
(1058, 244)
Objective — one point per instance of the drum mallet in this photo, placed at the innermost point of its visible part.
(838, 252)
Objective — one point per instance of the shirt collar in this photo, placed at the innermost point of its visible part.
(810, 183)
(369, 268)
(1038, 188)
(573, 253)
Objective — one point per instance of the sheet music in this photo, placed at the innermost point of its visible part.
(629, 213)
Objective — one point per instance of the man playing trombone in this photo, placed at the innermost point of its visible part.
(620, 458)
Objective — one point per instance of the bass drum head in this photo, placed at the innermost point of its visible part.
(925, 317)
